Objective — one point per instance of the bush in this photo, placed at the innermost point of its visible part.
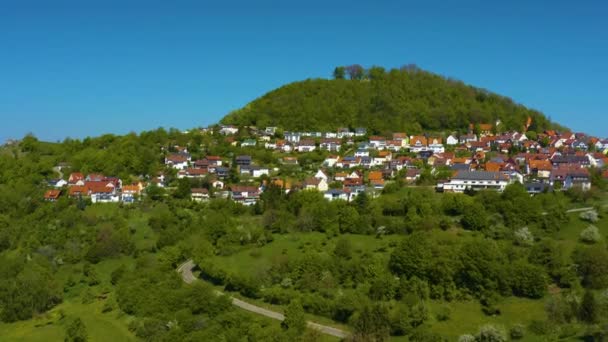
(517, 332)
(491, 333)
(524, 237)
(466, 338)
(590, 216)
(443, 314)
(590, 235)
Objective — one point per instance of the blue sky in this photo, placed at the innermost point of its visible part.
(78, 68)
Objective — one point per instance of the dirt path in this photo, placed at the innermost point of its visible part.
(185, 270)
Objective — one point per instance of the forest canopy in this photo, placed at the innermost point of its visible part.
(407, 99)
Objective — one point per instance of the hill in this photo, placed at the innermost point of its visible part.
(408, 99)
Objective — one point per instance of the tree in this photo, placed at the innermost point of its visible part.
(475, 217)
(339, 72)
(183, 189)
(355, 72)
(372, 323)
(589, 310)
(592, 266)
(76, 331)
(294, 321)
(413, 257)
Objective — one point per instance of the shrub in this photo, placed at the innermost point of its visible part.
(590, 216)
(466, 338)
(517, 332)
(524, 237)
(491, 333)
(443, 314)
(590, 234)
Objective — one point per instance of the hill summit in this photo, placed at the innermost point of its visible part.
(406, 99)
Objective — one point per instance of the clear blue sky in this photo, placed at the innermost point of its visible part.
(78, 68)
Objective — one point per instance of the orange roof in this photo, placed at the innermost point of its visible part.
(98, 187)
(374, 175)
(383, 154)
(135, 189)
(419, 138)
(77, 190)
(493, 167)
(52, 194)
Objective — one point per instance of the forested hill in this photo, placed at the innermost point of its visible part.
(408, 99)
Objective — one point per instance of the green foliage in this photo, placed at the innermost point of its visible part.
(76, 331)
(398, 100)
(589, 310)
(372, 323)
(294, 322)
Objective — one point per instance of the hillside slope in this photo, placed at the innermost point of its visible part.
(409, 100)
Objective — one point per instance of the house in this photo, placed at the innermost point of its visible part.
(94, 177)
(476, 180)
(436, 145)
(571, 177)
(318, 184)
(321, 175)
(451, 140)
(579, 145)
(228, 130)
(254, 171)
(177, 161)
(199, 194)
(537, 188)
(246, 195)
(467, 138)
(76, 178)
(243, 160)
(248, 143)
(377, 142)
(222, 172)
(52, 195)
(362, 153)
(292, 137)
(332, 145)
(360, 132)
(330, 161)
(403, 138)
(131, 192)
(214, 160)
(57, 183)
(192, 173)
(337, 194)
(217, 184)
(270, 130)
(102, 192)
(340, 176)
(418, 143)
(412, 175)
(539, 168)
(289, 161)
(306, 145)
(484, 128)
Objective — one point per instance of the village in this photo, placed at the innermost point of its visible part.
(355, 162)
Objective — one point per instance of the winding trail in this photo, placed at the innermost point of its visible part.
(185, 270)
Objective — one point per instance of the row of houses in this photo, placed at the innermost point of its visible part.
(99, 188)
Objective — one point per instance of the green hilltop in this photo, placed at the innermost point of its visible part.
(407, 99)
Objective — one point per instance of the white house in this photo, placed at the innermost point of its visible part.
(229, 130)
(451, 140)
(330, 161)
(321, 175)
(476, 180)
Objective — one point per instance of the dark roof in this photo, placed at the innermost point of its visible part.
(461, 166)
(480, 175)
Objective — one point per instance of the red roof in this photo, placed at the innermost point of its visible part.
(98, 187)
(52, 194)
